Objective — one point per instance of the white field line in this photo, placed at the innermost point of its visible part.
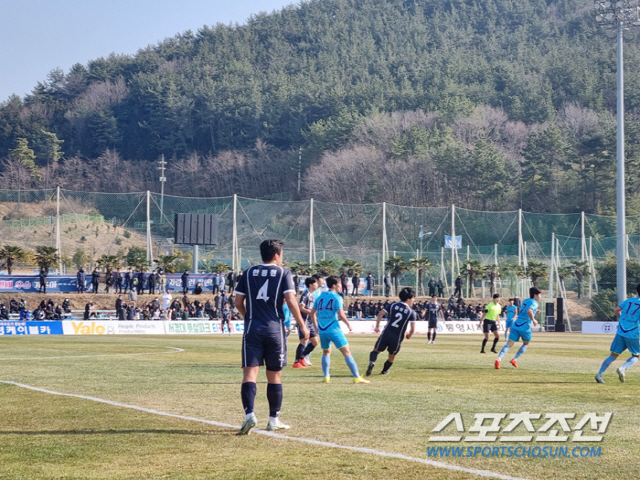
(173, 350)
(482, 473)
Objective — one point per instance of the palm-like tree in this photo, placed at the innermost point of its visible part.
(580, 271)
(167, 263)
(396, 265)
(491, 273)
(326, 267)
(108, 261)
(45, 257)
(536, 270)
(471, 269)
(9, 255)
(421, 266)
(220, 267)
(351, 267)
(564, 273)
(301, 268)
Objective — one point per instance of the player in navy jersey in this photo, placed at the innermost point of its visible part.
(627, 337)
(306, 304)
(521, 328)
(434, 310)
(260, 295)
(400, 314)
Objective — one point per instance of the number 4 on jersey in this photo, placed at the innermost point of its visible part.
(262, 293)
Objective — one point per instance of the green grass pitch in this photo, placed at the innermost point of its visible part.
(44, 436)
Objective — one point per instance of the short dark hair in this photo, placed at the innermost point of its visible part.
(332, 280)
(310, 280)
(533, 291)
(269, 248)
(496, 295)
(406, 293)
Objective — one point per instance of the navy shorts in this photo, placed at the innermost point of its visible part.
(268, 349)
(433, 323)
(312, 330)
(388, 342)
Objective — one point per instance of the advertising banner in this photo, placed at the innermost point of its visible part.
(599, 327)
(30, 328)
(106, 327)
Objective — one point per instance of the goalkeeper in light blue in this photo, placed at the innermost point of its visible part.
(326, 315)
(627, 337)
(521, 328)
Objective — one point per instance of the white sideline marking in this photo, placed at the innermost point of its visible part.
(174, 350)
(482, 473)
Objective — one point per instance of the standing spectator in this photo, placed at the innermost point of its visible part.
(440, 286)
(220, 282)
(432, 286)
(451, 304)
(166, 299)
(152, 283)
(231, 281)
(119, 303)
(128, 278)
(132, 311)
(217, 305)
(109, 280)
(43, 280)
(355, 283)
(345, 283)
(81, 277)
(296, 282)
(118, 278)
(458, 285)
(161, 281)
(185, 282)
(141, 281)
(371, 283)
(214, 283)
(387, 285)
(95, 280)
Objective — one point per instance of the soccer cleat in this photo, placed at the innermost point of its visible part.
(599, 378)
(277, 425)
(360, 380)
(384, 372)
(497, 364)
(247, 425)
(370, 368)
(326, 379)
(303, 362)
(298, 365)
(493, 350)
(513, 362)
(620, 372)
(482, 351)
(307, 362)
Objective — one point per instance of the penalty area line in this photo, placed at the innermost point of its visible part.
(370, 451)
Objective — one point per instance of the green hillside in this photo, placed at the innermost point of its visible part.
(523, 88)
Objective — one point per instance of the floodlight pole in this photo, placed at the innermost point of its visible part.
(620, 15)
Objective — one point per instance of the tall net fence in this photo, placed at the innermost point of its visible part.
(576, 251)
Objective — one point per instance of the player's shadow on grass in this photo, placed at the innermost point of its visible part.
(108, 432)
(551, 383)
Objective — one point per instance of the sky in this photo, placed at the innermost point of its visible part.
(37, 36)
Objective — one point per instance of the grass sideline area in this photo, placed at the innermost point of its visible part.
(44, 436)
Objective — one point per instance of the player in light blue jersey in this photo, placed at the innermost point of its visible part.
(512, 312)
(521, 328)
(627, 337)
(326, 315)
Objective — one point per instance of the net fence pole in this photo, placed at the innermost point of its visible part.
(58, 244)
(385, 245)
(234, 241)
(149, 244)
(520, 288)
(553, 260)
(583, 237)
(312, 237)
(453, 242)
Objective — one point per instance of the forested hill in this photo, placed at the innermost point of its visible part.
(488, 103)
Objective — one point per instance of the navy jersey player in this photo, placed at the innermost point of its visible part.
(400, 314)
(306, 304)
(627, 337)
(260, 295)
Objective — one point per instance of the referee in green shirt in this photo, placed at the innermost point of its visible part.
(490, 322)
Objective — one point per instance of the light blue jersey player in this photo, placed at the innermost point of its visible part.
(627, 337)
(326, 315)
(521, 327)
(512, 311)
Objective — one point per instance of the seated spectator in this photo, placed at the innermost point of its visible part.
(24, 314)
(66, 306)
(4, 312)
(198, 289)
(14, 307)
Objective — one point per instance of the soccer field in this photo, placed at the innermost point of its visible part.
(388, 423)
